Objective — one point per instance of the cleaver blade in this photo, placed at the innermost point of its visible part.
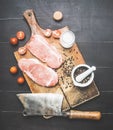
(41, 103)
(49, 104)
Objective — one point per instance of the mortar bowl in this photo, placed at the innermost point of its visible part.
(77, 70)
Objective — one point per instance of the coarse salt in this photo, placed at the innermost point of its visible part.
(67, 39)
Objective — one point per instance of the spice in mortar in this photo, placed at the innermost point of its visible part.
(79, 71)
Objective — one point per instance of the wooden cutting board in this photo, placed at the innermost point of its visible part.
(73, 95)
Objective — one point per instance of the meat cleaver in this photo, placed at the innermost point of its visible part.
(49, 104)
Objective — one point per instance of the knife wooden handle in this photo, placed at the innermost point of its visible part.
(93, 115)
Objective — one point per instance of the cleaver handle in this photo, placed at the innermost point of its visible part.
(91, 115)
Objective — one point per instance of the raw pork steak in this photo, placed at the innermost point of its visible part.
(38, 72)
(45, 52)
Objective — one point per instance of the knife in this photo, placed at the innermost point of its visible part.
(49, 104)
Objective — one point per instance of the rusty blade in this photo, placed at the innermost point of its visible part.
(41, 103)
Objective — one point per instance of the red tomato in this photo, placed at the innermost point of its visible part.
(13, 70)
(56, 33)
(20, 80)
(22, 50)
(20, 35)
(47, 32)
(13, 41)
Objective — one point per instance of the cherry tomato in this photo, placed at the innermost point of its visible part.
(20, 80)
(56, 33)
(22, 50)
(20, 35)
(13, 70)
(13, 41)
(47, 32)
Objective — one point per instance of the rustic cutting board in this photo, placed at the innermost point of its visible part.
(73, 95)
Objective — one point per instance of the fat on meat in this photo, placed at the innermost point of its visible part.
(38, 72)
(44, 51)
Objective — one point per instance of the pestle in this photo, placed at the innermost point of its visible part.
(83, 75)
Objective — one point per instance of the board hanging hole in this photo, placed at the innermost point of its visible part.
(29, 14)
(24, 113)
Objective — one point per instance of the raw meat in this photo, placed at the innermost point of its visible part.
(38, 72)
(45, 52)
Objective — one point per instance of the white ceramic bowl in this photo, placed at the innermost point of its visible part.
(79, 84)
(67, 39)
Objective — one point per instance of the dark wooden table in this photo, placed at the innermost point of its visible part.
(92, 23)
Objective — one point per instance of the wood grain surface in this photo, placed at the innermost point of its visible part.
(92, 23)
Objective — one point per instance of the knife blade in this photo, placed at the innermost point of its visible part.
(49, 104)
(41, 103)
